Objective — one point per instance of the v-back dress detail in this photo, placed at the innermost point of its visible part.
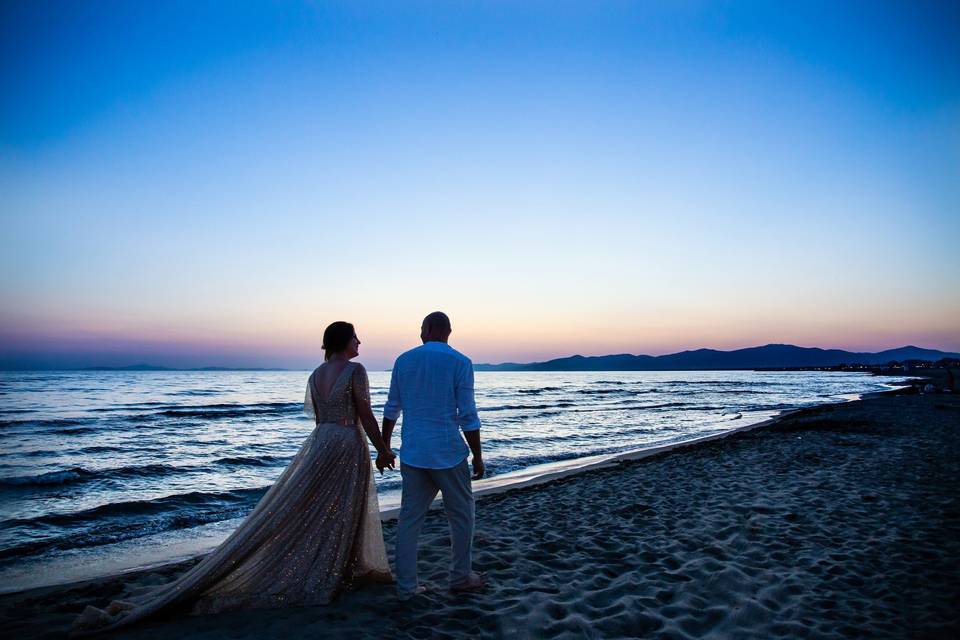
(314, 533)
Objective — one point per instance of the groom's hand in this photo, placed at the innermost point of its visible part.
(478, 468)
(385, 460)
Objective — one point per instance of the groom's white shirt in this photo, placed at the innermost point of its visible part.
(432, 386)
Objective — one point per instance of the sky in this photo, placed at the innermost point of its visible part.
(212, 183)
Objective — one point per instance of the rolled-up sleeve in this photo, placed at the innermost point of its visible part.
(467, 416)
(393, 407)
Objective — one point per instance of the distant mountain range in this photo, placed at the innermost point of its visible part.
(771, 356)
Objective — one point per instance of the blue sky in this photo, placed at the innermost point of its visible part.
(212, 183)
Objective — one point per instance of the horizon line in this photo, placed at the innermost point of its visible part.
(146, 366)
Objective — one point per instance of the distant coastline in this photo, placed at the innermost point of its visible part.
(771, 357)
(767, 357)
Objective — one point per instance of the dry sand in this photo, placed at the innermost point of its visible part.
(836, 522)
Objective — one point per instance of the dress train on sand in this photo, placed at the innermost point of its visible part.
(313, 534)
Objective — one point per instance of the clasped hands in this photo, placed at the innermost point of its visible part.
(385, 460)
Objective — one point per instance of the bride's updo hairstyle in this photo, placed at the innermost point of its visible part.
(336, 337)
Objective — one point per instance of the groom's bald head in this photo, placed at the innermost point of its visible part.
(435, 327)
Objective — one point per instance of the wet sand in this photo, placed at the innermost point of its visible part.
(835, 522)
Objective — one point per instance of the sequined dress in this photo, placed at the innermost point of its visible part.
(314, 533)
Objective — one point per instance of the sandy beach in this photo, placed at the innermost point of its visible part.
(836, 522)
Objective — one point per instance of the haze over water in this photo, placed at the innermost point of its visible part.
(116, 469)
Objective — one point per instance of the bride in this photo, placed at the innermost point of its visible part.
(313, 534)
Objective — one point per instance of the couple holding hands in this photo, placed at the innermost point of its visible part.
(317, 529)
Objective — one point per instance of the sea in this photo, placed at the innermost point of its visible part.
(105, 472)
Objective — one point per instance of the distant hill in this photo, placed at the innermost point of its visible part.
(771, 356)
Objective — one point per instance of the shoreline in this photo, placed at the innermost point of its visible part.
(192, 551)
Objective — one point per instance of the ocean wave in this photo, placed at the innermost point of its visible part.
(110, 449)
(104, 513)
(521, 407)
(33, 454)
(507, 421)
(781, 406)
(230, 410)
(196, 392)
(46, 479)
(258, 461)
(131, 407)
(120, 521)
(721, 383)
(73, 431)
(79, 474)
(55, 453)
(546, 414)
(560, 408)
(635, 405)
(590, 441)
(54, 423)
(154, 410)
(539, 390)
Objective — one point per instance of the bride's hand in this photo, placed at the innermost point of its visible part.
(385, 459)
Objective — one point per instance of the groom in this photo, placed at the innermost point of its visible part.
(433, 386)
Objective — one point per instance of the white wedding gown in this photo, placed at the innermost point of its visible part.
(313, 534)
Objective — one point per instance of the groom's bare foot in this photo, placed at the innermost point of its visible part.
(476, 582)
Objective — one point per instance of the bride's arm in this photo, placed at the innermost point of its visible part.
(361, 399)
(308, 409)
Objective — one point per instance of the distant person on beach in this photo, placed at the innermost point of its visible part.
(432, 386)
(313, 534)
